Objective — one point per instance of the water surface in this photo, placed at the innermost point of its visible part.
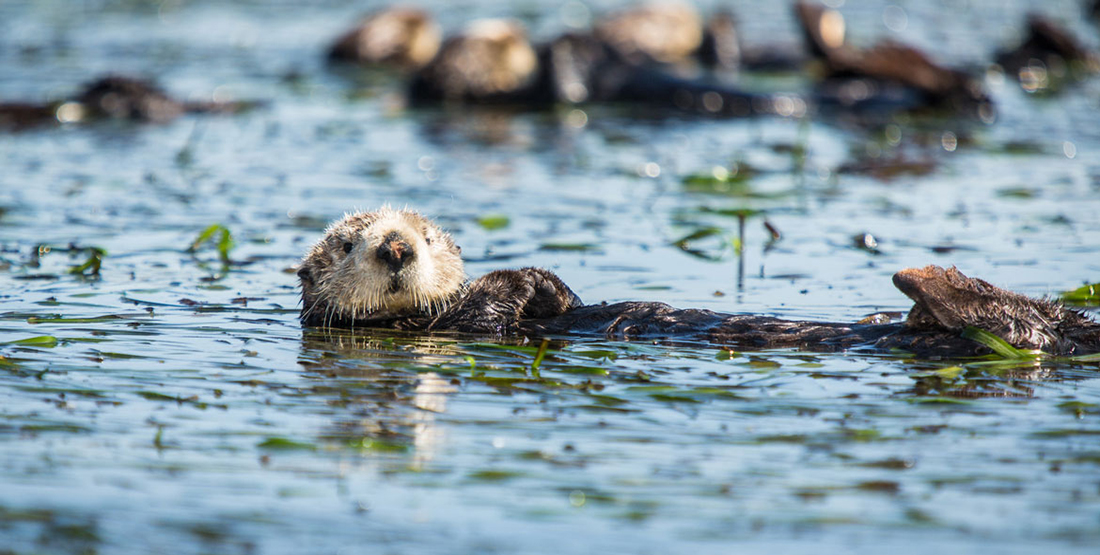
(175, 404)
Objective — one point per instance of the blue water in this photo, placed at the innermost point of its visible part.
(179, 406)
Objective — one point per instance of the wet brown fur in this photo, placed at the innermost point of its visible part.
(398, 36)
(533, 302)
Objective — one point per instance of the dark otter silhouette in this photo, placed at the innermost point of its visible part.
(884, 71)
(112, 97)
(575, 68)
(400, 37)
(1052, 48)
(498, 68)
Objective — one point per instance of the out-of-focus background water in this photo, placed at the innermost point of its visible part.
(176, 405)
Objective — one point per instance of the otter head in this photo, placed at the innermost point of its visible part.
(377, 265)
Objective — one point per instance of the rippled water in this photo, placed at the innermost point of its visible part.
(174, 404)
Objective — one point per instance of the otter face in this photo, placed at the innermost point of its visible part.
(381, 264)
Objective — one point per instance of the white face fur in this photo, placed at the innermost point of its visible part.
(349, 273)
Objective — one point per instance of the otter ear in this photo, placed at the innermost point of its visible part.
(305, 275)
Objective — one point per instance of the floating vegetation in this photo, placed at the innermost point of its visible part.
(999, 346)
(1079, 408)
(90, 268)
(569, 247)
(47, 341)
(687, 243)
(1086, 295)
(220, 236)
(1018, 192)
(284, 444)
(541, 354)
(494, 475)
(492, 222)
(949, 373)
(733, 181)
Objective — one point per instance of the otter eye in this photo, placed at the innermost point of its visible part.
(428, 240)
(348, 246)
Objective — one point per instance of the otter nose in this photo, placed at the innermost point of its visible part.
(395, 252)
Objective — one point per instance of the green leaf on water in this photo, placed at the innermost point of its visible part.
(1087, 295)
(673, 398)
(999, 346)
(90, 267)
(737, 173)
(47, 341)
(539, 356)
(1018, 192)
(494, 475)
(283, 444)
(491, 222)
(597, 354)
(154, 396)
(224, 242)
(62, 320)
(949, 373)
(687, 243)
(700, 233)
(1079, 408)
(568, 247)
(727, 354)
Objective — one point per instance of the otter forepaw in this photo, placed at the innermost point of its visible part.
(498, 300)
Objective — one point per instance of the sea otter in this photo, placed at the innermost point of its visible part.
(1049, 54)
(493, 63)
(397, 269)
(887, 69)
(112, 97)
(400, 37)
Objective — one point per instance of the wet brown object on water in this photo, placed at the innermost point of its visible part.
(490, 62)
(401, 37)
(396, 269)
(21, 115)
(112, 97)
(127, 98)
(945, 303)
(885, 64)
(1048, 48)
(493, 64)
(667, 32)
(946, 299)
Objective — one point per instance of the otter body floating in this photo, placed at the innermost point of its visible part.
(397, 269)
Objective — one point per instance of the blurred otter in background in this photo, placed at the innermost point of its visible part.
(1048, 54)
(405, 38)
(492, 62)
(666, 32)
(112, 97)
(675, 33)
(887, 69)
